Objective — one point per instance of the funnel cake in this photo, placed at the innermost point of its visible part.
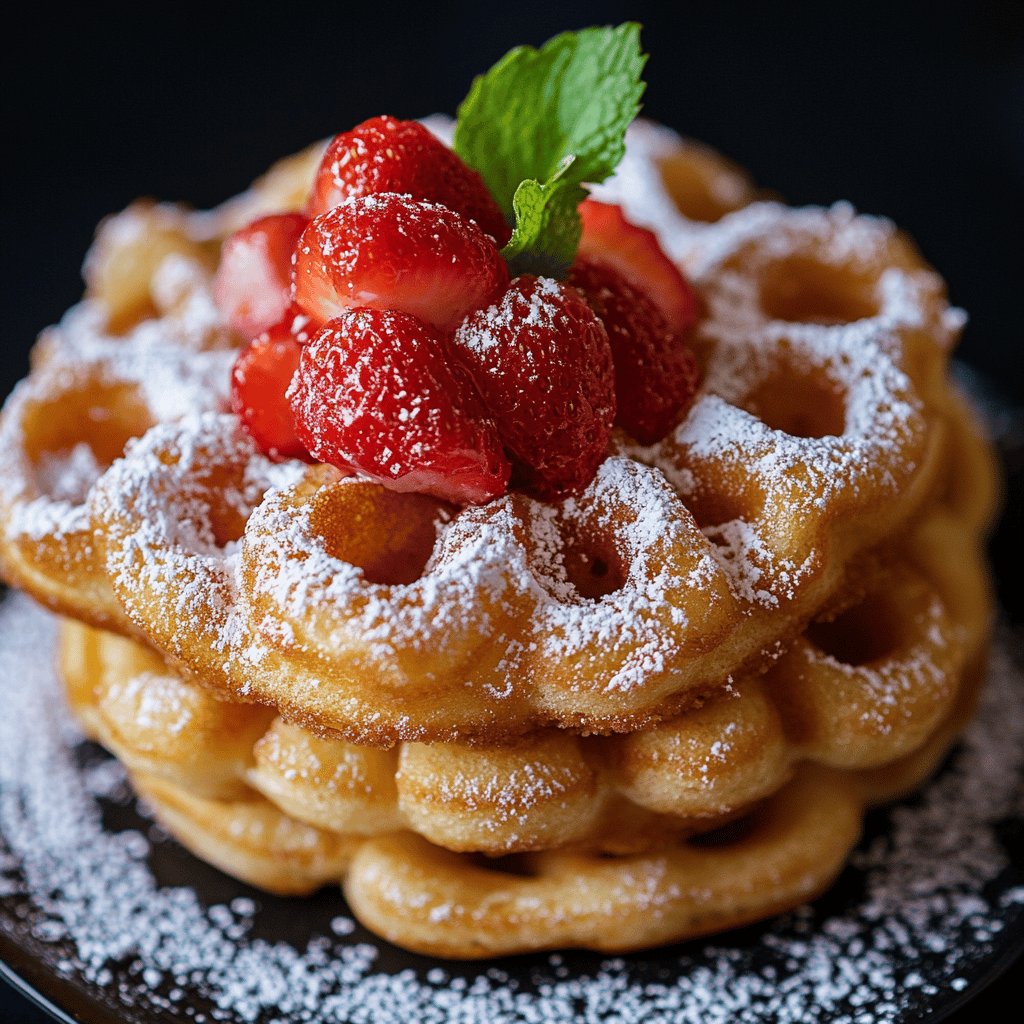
(815, 436)
(717, 817)
(669, 700)
(843, 696)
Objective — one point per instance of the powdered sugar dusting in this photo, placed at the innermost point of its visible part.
(70, 476)
(482, 573)
(168, 366)
(935, 905)
(540, 309)
(181, 361)
(156, 699)
(638, 186)
(849, 377)
(160, 500)
(644, 616)
(785, 495)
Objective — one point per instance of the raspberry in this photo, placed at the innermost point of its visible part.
(388, 251)
(387, 155)
(259, 380)
(656, 372)
(637, 255)
(378, 391)
(253, 283)
(543, 365)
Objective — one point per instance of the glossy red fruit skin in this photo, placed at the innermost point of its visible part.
(637, 255)
(259, 379)
(379, 391)
(300, 324)
(384, 154)
(542, 363)
(252, 287)
(656, 371)
(388, 251)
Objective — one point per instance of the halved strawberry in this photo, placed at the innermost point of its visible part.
(253, 283)
(388, 155)
(541, 360)
(259, 379)
(388, 251)
(379, 391)
(637, 255)
(656, 372)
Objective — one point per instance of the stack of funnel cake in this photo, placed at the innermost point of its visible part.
(651, 712)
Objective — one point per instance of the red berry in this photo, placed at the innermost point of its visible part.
(388, 251)
(656, 373)
(253, 283)
(300, 324)
(541, 360)
(386, 155)
(259, 380)
(637, 255)
(379, 391)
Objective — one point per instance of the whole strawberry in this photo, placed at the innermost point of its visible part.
(378, 391)
(656, 373)
(542, 363)
(384, 154)
(388, 251)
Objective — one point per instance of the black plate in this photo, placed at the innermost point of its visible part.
(930, 910)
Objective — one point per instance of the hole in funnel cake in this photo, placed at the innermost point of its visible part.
(703, 185)
(226, 518)
(390, 536)
(585, 552)
(732, 832)
(516, 864)
(592, 570)
(724, 501)
(799, 402)
(867, 632)
(800, 289)
(73, 437)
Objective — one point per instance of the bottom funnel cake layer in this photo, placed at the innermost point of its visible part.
(931, 899)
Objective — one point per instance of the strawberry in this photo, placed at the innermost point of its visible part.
(379, 391)
(637, 255)
(656, 372)
(387, 155)
(542, 362)
(259, 380)
(388, 251)
(301, 326)
(253, 282)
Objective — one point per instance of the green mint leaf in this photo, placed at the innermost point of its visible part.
(547, 225)
(574, 97)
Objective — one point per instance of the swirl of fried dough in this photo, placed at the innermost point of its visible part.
(816, 437)
(866, 689)
(439, 903)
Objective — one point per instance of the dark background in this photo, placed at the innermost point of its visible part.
(914, 110)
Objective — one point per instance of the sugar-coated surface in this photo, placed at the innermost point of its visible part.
(780, 498)
(932, 906)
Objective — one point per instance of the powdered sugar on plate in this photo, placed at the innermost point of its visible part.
(934, 896)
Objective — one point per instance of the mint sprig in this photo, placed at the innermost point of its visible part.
(540, 124)
(547, 225)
